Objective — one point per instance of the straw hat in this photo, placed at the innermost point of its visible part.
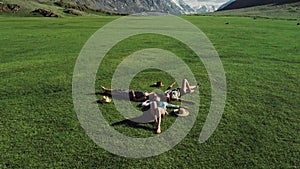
(158, 84)
(106, 99)
(181, 112)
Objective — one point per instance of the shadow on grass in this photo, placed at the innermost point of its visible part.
(99, 93)
(145, 118)
(133, 124)
(137, 121)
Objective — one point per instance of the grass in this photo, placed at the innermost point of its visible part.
(259, 128)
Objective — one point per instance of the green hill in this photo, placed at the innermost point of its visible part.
(283, 11)
(60, 8)
(237, 4)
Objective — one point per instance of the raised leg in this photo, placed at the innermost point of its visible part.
(186, 88)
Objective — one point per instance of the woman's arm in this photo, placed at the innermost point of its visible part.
(171, 85)
(172, 106)
(168, 105)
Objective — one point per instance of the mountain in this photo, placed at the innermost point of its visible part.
(205, 9)
(90, 7)
(138, 6)
(225, 4)
(237, 4)
(194, 9)
(184, 7)
(134, 6)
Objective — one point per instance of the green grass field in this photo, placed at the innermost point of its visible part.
(259, 128)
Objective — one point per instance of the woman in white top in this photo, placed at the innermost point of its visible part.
(175, 94)
(158, 108)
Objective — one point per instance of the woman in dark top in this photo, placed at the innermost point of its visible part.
(132, 95)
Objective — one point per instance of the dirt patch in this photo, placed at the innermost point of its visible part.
(45, 13)
(9, 7)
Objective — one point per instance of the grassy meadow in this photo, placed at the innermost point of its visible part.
(259, 128)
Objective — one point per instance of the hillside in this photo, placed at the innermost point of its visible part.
(84, 7)
(138, 6)
(87, 7)
(237, 4)
(132, 6)
(48, 8)
(279, 10)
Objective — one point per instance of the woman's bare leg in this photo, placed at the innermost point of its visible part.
(157, 116)
(154, 110)
(118, 93)
(158, 130)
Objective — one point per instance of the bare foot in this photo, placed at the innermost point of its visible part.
(191, 91)
(158, 131)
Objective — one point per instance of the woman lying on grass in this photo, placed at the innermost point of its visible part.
(132, 95)
(175, 94)
(158, 109)
(141, 95)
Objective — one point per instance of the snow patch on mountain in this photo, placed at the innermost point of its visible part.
(197, 6)
(177, 3)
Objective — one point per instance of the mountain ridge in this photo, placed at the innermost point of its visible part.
(138, 6)
(122, 7)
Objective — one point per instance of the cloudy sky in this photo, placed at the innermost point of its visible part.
(216, 3)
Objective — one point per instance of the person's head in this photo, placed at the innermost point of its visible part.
(154, 97)
(167, 96)
(157, 97)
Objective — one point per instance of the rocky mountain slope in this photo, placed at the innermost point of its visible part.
(111, 6)
(138, 6)
(133, 6)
